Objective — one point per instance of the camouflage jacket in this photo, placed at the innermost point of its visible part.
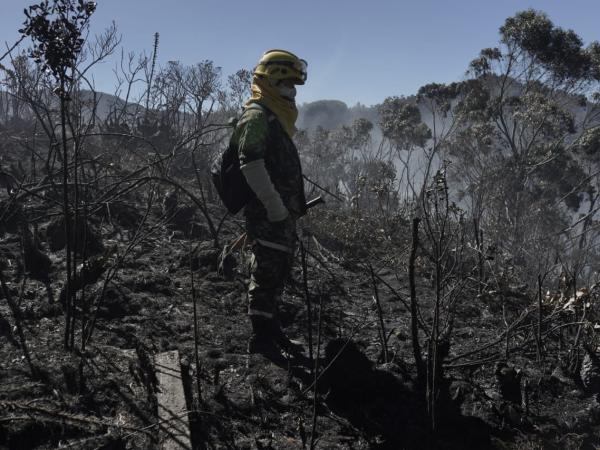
(259, 135)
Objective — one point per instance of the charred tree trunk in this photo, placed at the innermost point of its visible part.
(414, 322)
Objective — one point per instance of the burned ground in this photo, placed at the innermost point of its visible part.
(105, 397)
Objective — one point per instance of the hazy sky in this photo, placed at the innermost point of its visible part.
(357, 51)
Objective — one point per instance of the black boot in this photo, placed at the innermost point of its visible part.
(263, 345)
(289, 346)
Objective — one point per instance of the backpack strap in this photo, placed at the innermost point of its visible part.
(257, 106)
(233, 121)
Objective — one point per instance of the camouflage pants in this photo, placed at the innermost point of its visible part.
(273, 249)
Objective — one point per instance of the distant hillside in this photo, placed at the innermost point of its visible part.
(105, 103)
(331, 114)
(108, 102)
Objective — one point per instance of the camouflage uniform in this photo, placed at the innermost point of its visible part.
(259, 135)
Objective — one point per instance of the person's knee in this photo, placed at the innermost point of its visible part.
(270, 268)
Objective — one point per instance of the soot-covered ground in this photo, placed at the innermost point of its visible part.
(106, 398)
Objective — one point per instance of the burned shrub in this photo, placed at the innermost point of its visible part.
(86, 237)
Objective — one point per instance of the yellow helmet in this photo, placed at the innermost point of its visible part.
(281, 65)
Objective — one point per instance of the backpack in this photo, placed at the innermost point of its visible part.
(227, 176)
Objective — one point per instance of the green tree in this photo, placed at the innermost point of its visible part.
(520, 116)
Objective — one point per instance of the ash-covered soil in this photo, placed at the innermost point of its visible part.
(105, 397)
